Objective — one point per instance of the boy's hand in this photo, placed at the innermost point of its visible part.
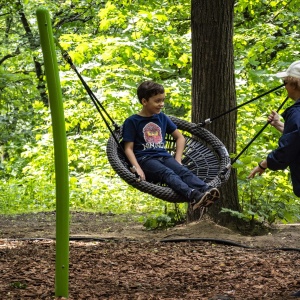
(139, 171)
(178, 159)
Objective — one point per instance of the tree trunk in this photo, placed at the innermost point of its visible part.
(213, 86)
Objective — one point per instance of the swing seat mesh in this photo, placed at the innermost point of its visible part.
(204, 154)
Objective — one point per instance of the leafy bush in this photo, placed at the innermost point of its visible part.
(166, 220)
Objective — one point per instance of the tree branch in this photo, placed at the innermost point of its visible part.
(75, 17)
(38, 67)
(4, 58)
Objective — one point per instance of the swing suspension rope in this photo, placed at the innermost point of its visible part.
(104, 113)
(223, 172)
(256, 136)
(100, 107)
(209, 120)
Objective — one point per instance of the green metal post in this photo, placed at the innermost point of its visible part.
(60, 154)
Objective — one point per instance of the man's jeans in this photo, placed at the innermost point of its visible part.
(167, 170)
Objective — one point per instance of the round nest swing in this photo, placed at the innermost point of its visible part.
(204, 154)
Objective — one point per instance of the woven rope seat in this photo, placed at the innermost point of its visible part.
(204, 154)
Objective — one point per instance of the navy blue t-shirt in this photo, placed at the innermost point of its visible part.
(148, 134)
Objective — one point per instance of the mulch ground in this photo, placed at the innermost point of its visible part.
(123, 269)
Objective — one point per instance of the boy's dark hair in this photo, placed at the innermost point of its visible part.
(148, 89)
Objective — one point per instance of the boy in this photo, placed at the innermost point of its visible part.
(144, 144)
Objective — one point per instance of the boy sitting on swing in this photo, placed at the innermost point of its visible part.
(144, 142)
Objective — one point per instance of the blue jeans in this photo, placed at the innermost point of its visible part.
(178, 177)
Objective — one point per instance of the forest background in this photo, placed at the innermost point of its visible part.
(115, 46)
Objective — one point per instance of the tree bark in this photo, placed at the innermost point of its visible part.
(213, 85)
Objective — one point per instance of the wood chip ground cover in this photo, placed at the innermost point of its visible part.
(150, 270)
(114, 257)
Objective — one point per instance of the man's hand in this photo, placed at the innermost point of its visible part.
(255, 171)
(262, 166)
(274, 120)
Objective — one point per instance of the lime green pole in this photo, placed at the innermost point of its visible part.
(60, 154)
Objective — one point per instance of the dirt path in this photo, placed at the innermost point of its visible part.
(85, 225)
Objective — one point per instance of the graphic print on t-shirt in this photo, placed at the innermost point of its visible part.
(152, 136)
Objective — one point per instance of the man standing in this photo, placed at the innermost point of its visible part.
(287, 153)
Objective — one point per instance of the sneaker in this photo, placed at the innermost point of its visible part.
(199, 198)
(206, 199)
(214, 196)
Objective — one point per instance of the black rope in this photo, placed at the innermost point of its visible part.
(99, 107)
(213, 240)
(256, 136)
(209, 120)
(176, 240)
(224, 242)
(94, 99)
(252, 140)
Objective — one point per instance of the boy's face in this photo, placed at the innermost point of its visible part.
(154, 104)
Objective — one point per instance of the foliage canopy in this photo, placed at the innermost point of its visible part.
(116, 45)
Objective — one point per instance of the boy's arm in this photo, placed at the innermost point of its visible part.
(180, 144)
(128, 148)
